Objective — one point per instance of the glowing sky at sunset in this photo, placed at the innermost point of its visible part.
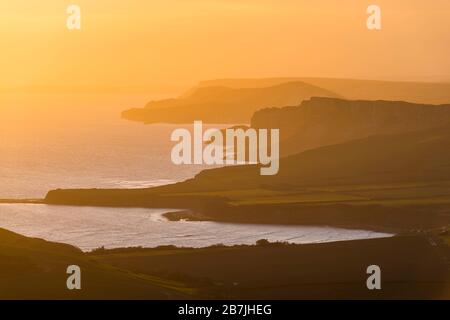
(140, 42)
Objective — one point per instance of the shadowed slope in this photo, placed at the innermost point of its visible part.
(36, 269)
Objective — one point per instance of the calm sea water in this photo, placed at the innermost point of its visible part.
(83, 145)
(79, 141)
(89, 228)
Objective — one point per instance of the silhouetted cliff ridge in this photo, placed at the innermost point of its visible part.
(224, 105)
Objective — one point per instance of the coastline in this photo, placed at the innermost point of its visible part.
(148, 228)
(189, 215)
(409, 219)
(22, 201)
(224, 216)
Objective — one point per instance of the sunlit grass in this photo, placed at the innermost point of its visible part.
(386, 194)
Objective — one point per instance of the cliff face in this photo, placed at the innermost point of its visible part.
(325, 121)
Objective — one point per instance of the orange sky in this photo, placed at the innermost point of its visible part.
(142, 42)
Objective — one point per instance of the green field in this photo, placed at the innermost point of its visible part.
(387, 194)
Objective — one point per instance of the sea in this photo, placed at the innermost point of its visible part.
(61, 140)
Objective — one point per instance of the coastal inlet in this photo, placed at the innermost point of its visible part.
(89, 228)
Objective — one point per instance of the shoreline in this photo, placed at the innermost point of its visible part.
(22, 201)
(192, 215)
(345, 216)
(189, 215)
(250, 232)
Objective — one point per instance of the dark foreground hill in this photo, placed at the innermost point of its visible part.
(411, 267)
(36, 269)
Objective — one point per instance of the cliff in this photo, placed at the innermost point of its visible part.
(324, 121)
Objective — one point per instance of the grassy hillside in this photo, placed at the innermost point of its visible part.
(314, 271)
(224, 105)
(420, 156)
(36, 269)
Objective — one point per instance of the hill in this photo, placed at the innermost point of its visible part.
(354, 89)
(414, 156)
(224, 105)
(36, 269)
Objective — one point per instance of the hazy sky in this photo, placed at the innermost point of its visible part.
(141, 42)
